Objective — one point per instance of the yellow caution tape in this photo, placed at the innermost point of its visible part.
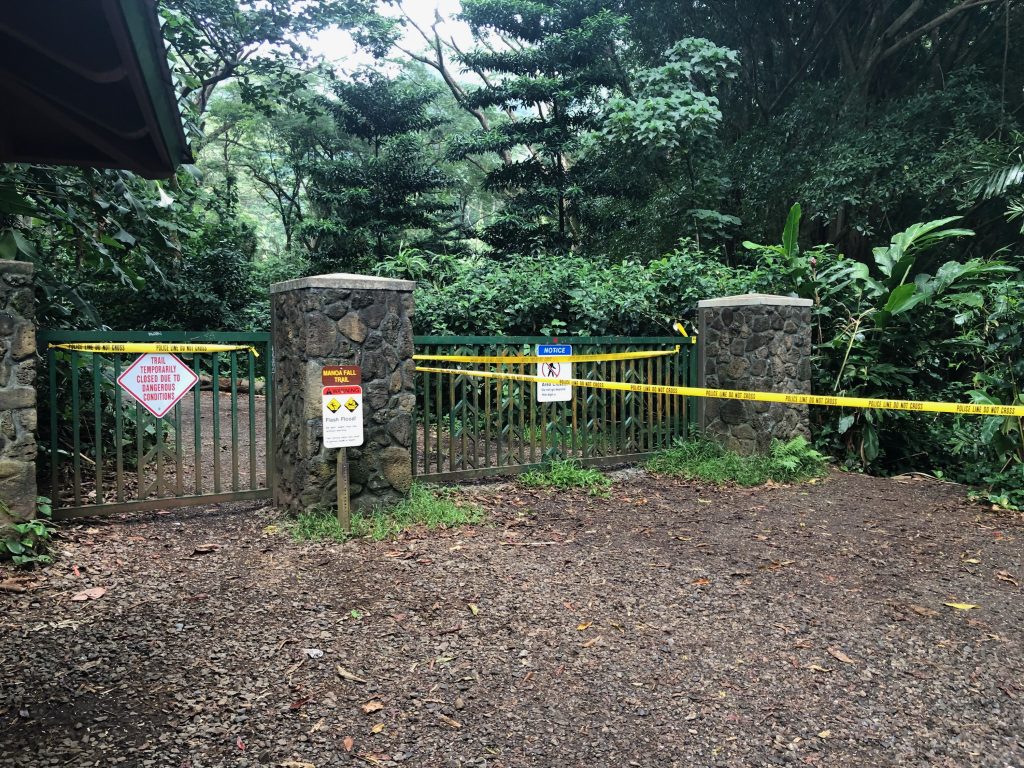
(513, 359)
(923, 406)
(132, 347)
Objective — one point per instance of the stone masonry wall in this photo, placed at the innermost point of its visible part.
(754, 342)
(17, 391)
(333, 320)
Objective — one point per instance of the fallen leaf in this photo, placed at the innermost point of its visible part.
(961, 606)
(319, 724)
(372, 706)
(299, 703)
(449, 721)
(239, 743)
(971, 560)
(920, 610)
(1005, 576)
(348, 742)
(93, 593)
(474, 608)
(592, 641)
(12, 585)
(816, 668)
(344, 674)
(205, 549)
(835, 653)
(585, 625)
(377, 728)
(701, 581)
(824, 734)
(296, 764)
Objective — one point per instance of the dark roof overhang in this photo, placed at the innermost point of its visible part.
(86, 83)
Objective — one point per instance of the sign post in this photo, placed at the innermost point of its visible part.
(343, 424)
(554, 393)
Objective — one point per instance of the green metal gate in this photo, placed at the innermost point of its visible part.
(102, 452)
(468, 427)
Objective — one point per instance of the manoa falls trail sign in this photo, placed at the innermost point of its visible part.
(158, 381)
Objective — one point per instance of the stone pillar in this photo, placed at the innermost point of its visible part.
(754, 342)
(334, 320)
(17, 392)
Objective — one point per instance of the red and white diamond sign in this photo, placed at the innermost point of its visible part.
(158, 381)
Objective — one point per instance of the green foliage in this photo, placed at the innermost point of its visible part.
(28, 543)
(378, 183)
(427, 506)
(572, 295)
(701, 459)
(568, 474)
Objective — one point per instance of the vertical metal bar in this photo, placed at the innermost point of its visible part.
(97, 426)
(415, 430)
(140, 431)
(118, 432)
(691, 381)
(251, 360)
(179, 464)
(463, 425)
(487, 421)
(451, 422)
(476, 422)
(499, 414)
(651, 424)
(76, 459)
(438, 408)
(234, 421)
(611, 398)
(662, 401)
(523, 388)
(51, 363)
(573, 442)
(532, 387)
(425, 414)
(269, 416)
(159, 424)
(197, 425)
(216, 422)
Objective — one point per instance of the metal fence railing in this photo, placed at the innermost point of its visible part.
(102, 452)
(470, 427)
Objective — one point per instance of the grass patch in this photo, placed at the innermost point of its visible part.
(703, 459)
(567, 474)
(432, 507)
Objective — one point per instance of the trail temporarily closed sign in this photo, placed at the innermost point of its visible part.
(158, 382)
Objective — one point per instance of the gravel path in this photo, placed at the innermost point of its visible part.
(668, 625)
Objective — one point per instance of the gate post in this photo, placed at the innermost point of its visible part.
(754, 342)
(333, 320)
(17, 392)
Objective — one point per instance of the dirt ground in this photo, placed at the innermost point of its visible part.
(671, 624)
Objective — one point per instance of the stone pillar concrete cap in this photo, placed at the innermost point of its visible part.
(754, 299)
(19, 267)
(344, 281)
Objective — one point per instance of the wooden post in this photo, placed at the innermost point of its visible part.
(344, 504)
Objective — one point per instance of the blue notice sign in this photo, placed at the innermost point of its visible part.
(548, 392)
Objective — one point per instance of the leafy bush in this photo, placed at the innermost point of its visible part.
(921, 325)
(28, 543)
(568, 295)
(704, 459)
(567, 474)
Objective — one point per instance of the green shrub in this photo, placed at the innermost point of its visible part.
(703, 459)
(429, 506)
(28, 543)
(565, 475)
